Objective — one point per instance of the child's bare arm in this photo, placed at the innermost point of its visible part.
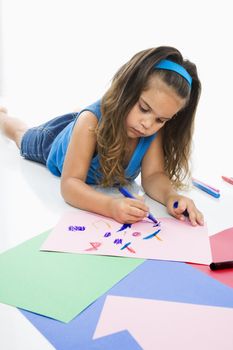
(73, 187)
(159, 187)
(154, 180)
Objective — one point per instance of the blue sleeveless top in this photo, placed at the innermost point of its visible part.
(59, 147)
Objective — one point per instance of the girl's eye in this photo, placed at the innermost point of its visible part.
(143, 109)
(160, 121)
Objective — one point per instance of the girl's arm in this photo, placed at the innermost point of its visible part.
(158, 186)
(76, 192)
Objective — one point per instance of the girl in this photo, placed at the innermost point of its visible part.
(144, 122)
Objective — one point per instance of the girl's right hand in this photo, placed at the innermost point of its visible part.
(127, 210)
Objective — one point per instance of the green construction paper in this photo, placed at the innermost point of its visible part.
(57, 285)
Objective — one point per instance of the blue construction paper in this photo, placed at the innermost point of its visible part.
(154, 279)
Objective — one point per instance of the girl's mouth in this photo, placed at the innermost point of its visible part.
(137, 132)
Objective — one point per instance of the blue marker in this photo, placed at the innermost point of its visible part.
(206, 189)
(127, 194)
(185, 213)
(126, 245)
(152, 235)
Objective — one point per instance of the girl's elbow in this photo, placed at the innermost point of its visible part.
(64, 189)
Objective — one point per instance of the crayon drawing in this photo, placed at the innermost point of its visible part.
(171, 240)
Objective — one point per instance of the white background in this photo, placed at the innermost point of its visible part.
(60, 54)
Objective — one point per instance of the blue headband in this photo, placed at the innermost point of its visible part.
(175, 67)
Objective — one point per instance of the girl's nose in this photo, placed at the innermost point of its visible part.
(147, 123)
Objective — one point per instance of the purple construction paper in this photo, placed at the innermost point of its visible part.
(161, 280)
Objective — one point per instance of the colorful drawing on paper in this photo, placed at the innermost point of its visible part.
(124, 227)
(99, 224)
(171, 240)
(76, 228)
(94, 246)
(154, 234)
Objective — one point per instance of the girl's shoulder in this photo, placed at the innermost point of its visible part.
(86, 120)
(94, 108)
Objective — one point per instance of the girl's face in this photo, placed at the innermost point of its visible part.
(155, 107)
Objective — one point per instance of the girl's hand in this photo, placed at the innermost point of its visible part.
(127, 210)
(195, 216)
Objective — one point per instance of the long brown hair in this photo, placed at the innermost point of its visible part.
(127, 85)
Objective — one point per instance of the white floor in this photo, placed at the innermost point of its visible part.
(30, 203)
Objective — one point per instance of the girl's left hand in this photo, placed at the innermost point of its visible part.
(195, 216)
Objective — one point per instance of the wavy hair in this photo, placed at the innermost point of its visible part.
(126, 87)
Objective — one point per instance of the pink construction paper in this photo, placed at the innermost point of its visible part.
(167, 325)
(222, 249)
(86, 233)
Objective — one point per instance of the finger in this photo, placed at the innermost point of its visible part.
(140, 198)
(195, 216)
(180, 217)
(176, 215)
(192, 218)
(174, 210)
(138, 204)
(129, 219)
(139, 213)
(179, 207)
(200, 218)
